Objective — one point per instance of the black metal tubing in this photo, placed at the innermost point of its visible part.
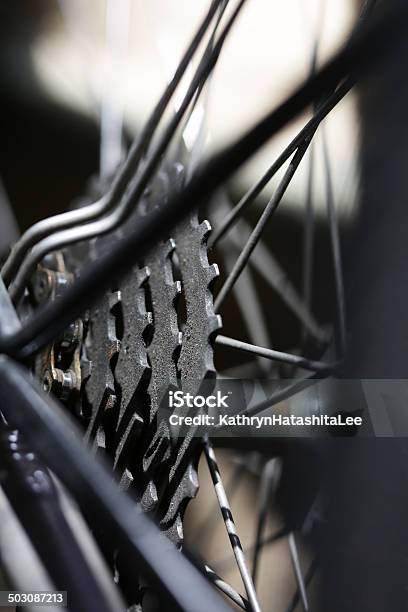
(49, 432)
(34, 498)
(125, 172)
(358, 55)
(120, 213)
(323, 108)
(52, 436)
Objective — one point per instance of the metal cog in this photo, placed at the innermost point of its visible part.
(132, 358)
(178, 473)
(138, 345)
(134, 346)
(103, 347)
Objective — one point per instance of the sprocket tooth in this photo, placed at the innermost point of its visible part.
(214, 324)
(99, 441)
(170, 247)
(126, 480)
(175, 532)
(194, 363)
(150, 499)
(114, 300)
(133, 429)
(205, 230)
(186, 490)
(102, 345)
(142, 275)
(213, 273)
(132, 371)
(165, 343)
(198, 276)
(158, 448)
(95, 434)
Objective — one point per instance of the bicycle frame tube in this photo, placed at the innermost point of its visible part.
(25, 477)
(362, 50)
(51, 434)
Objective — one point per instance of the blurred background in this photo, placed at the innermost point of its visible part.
(73, 71)
(78, 78)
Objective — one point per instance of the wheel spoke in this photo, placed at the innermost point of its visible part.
(279, 396)
(308, 230)
(245, 292)
(268, 540)
(230, 525)
(117, 15)
(69, 219)
(227, 589)
(364, 50)
(322, 111)
(136, 189)
(194, 150)
(260, 226)
(304, 133)
(263, 261)
(269, 480)
(335, 245)
(308, 239)
(297, 360)
(212, 517)
(308, 578)
(298, 571)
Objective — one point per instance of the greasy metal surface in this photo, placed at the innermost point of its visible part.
(59, 364)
